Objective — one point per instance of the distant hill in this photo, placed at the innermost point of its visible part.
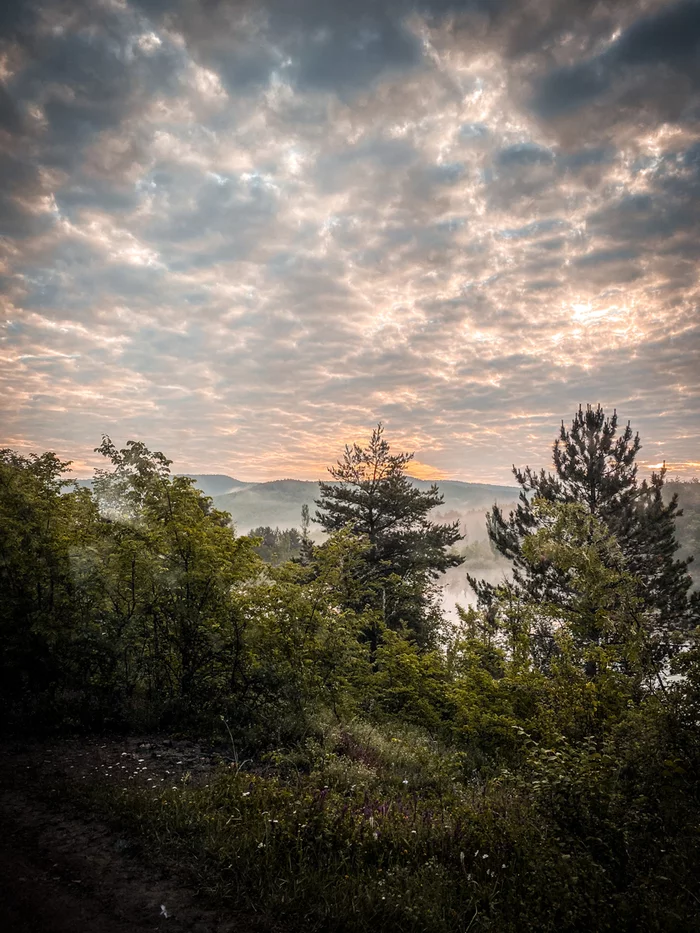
(215, 484)
(211, 484)
(470, 495)
(278, 503)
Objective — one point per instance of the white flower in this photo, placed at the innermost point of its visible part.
(163, 911)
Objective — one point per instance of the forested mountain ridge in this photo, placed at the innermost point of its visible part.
(278, 502)
(216, 484)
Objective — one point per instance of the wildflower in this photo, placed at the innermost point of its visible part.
(163, 911)
(246, 793)
(485, 855)
(261, 845)
(405, 781)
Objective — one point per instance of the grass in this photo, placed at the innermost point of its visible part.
(366, 829)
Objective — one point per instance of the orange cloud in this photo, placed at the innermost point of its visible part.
(426, 471)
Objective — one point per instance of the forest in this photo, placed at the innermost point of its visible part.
(535, 767)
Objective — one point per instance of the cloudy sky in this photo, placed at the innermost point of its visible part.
(245, 232)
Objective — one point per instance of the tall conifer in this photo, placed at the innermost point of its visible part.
(374, 495)
(594, 465)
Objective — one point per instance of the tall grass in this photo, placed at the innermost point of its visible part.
(374, 830)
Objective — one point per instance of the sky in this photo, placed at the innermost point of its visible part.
(245, 232)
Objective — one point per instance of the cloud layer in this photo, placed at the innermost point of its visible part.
(245, 232)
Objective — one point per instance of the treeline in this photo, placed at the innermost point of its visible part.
(277, 546)
(562, 712)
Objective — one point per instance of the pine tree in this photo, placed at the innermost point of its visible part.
(373, 494)
(306, 550)
(594, 466)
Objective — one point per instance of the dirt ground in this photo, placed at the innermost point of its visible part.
(63, 872)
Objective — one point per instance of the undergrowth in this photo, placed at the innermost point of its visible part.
(379, 829)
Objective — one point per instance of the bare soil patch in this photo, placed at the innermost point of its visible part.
(63, 871)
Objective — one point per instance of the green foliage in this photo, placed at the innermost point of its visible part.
(586, 659)
(411, 683)
(603, 623)
(48, 638)
(139, 605)
(378, 828)
(594, 467)
(305, 644)
(373, 495)
(276, 547)
(534, 768)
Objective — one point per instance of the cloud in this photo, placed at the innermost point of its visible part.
(641, 66)
(246, 232)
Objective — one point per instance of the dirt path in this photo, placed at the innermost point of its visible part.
(62, 872)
